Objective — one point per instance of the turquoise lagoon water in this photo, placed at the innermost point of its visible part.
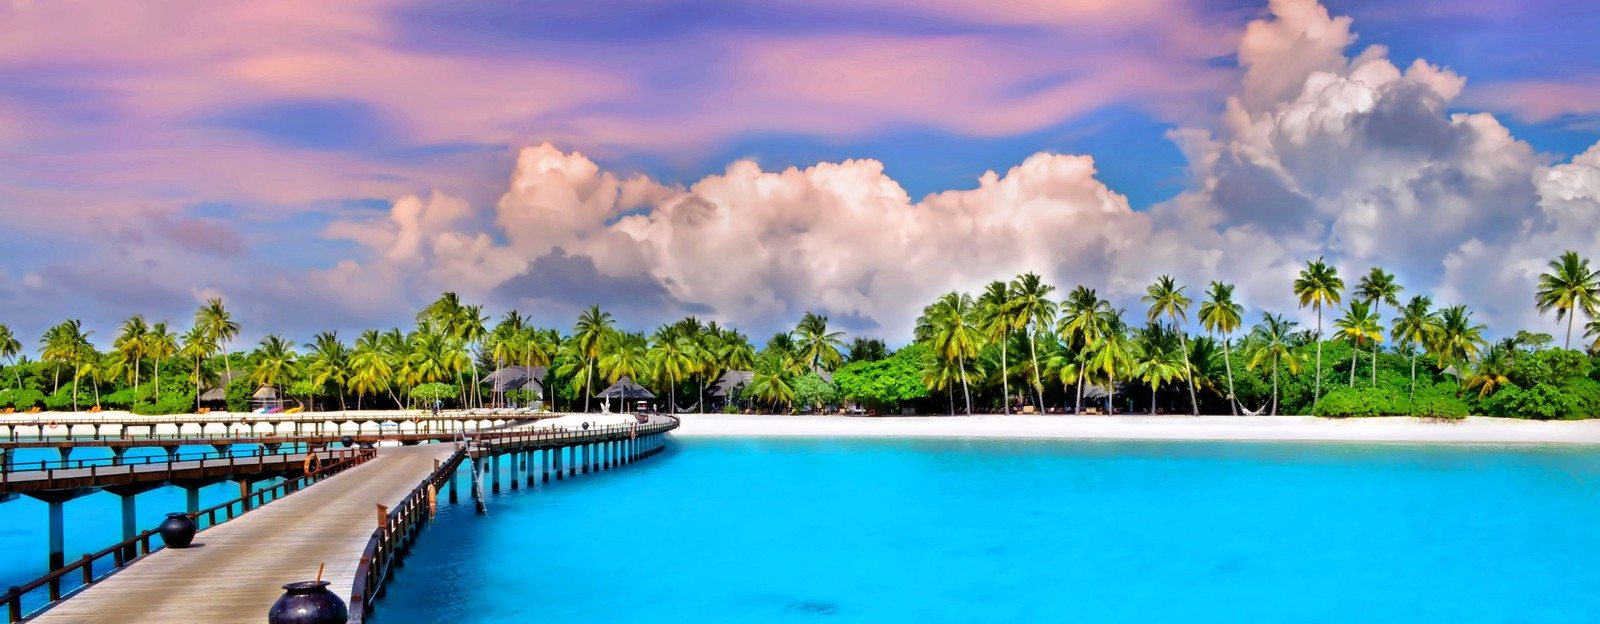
(773, 530)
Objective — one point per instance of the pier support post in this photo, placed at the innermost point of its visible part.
(450, 484)
(527, 459)
(546, 462)
(494, 474)
(516, 468)
(191, 499)
(66, 454)
(116, 454)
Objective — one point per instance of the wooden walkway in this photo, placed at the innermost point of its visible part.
(234, 573)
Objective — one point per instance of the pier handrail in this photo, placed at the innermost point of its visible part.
(402, 524)
(133, 549)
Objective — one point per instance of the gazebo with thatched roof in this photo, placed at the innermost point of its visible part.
(625, 389)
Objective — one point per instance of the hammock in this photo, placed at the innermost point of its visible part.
(677, 410)
(1247, 411)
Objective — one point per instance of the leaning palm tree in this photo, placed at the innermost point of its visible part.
(1416, 327)
(1490, 373)
(1569, 286)
(219, 325)
(130, 344)
(1165, 298)
(370, 370)
(10, 348)
(1084, 319)
(817, 347)
(996, 318)
(589, 337)
(1318, 286)
(1159, 357)
(1358, 325)
(1220, 315)
(1031, 296)
(197, 345)
(948, 323)
(1592, 330)
(1272, 341)
(1377, 288)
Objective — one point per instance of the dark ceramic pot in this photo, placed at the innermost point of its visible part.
(348, 441)
(177, 531)
(308, 602)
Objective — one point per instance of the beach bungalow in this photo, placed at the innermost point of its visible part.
(216, 396)
(266, 397)
(529, 379)
(727, 387)
(623, 391)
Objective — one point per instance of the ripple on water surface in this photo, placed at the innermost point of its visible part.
(783, 530)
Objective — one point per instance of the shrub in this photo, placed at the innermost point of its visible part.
(1358, 402)
(62, 399)
(431, 392)
(1541, 402)
(730, 409)
(238, 393)
(1440, 407)
(168, 403)
(21, 399)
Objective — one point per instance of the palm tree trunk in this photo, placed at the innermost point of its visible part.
(158, 383)
(1078, 407)
(1316, 394)
(1569, 328)
(74, 392)
(197, 385)
(1375, 357)
(226, 364)
(135, 380)
(1111, 395)
(1188, 371)
(588, 376)
(1227, 361)
(1274, 386)
(1353, 352)
(1038, 386)
(951, 394)
(1153, 390)
(1005, 382)
(965, 392)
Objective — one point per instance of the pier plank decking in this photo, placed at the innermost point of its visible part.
(234, 573)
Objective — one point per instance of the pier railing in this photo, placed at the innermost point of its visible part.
(88, 572)
(401, 525)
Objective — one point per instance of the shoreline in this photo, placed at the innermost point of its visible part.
(1400, 429)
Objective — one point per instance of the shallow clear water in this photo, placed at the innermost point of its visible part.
(751, 530)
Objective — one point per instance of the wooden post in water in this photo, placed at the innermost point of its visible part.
(383, 518)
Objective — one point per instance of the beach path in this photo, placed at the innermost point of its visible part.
(235, 570)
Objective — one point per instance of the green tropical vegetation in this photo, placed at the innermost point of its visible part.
(1011, 348)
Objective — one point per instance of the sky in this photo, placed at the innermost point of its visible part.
(335, 166)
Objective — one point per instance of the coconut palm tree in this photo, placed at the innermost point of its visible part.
(996, 318)
(10, 348)
(472, 330)
(159, 343)
(275, 364)
(1114, 356)
(1592, 330)
(818, 348)
(1568, 287)
(1084, 319)
(329, 362)
(1358, 325)
(867, 350)
(1458, 339)
(671, 356)
(589, 337)
(769, 383)
(1272, 341)
(949, 324)
(197, 346)
(1219, 314)
(1416, 326)
(130, 344)
(1159, 357)
(626, 356)
(66, 344)
(91, 365)
(219, 325)
(1378, 288)
(1165, 298)
(1490, 373)
(1031, 296)
(1318, 286)
(370, 370)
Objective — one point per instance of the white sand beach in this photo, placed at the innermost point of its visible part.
(1263, 428)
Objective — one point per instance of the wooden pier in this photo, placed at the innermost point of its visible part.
(235, 571)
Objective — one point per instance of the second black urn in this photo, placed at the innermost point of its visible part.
(178, 530)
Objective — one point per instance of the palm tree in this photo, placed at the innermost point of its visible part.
(770, 385)
(10, 348)
(1377, 288)
(1220, 315)
(1165, 298)
(1358, 325)
(197, 345)
(626, 356)
(471, 329)
(996, 317)
(589, 336)
(66, 344)
(1031, 296)
(1592, 330)
(93, 366)
(867, 350)
(1458, 339)
(1114, 356)
(1272, 341)
(369, 368)
(159, 343)
(1159, 357)
(818, 348)
(1568, 287)
(130, 344)
(1318, 286)
(1490, 374)
(949, 324)
(1416, 326)
(671, 357)
(218, 324)
(275, 359)
(329, 362)
(1084, 320)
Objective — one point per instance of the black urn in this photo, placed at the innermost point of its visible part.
(348, 441)
(177, 531)
(308, 602)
